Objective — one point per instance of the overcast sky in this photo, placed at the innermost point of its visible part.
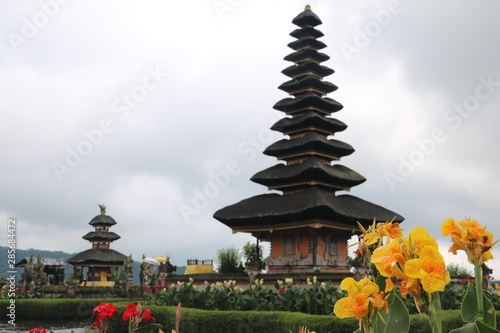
(161, 110)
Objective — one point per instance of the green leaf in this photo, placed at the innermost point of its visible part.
(469, 309)
(151, 328)
(88, 330)
(490, 317)
(483, 328)
(469, 328)
(380, 281)
(475, 327)
(396, 320)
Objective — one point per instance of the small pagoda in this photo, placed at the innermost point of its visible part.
(308, 223)
(100, 259)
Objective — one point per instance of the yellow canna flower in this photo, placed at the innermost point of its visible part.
(386, 257)
(359, 297)
(418, 238)
(429, 268)
(351, 307)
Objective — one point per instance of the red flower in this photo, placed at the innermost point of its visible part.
(131, 311)
(105, 311)
(38, 330)
(282, 290)
(147, 315)
(96, 325)
(148, 289)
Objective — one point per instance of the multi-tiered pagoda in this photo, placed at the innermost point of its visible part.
(100, 259)
(309, 224)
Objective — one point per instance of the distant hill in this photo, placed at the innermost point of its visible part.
(21, 254)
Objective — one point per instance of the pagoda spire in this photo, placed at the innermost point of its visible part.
(309, 176)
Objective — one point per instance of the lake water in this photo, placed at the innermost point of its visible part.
(57, 327)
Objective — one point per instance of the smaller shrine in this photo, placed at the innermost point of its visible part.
(97, 266)
(52, 267)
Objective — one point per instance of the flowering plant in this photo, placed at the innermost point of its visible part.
(134, 314)
(416, 263)
(103, 313)
(476, 242)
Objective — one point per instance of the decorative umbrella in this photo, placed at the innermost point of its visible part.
(161, 259)
(150, 260)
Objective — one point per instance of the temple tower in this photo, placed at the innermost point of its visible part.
(308, 223)
(100, 258)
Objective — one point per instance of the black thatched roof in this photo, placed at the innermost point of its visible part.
(100, 236)
(312, 206)
(307, 121)
(308, 81)
(98, 257)
(307, 143)
(310, 42)
(307, 67)
(306, 18)
(308, 100)
(307, 54)
(102, 220)
(306, 32)
(313, 170)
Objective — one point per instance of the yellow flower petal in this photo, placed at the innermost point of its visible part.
(350, 285)
(418, 238)
(344, 307)
(449, 227)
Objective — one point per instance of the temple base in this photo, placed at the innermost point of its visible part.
(308, 250)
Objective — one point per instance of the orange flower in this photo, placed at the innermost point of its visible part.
(412, 286)
(376, 231)
(470, 237)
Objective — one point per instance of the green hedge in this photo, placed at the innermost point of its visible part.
(53, 309)
(194, 320)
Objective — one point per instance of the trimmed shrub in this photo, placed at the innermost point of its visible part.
(195, 321)
(53, 309)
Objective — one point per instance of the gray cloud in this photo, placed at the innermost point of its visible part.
(213, 108)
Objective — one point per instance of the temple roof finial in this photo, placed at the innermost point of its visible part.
(103, 209)
(307, 7)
